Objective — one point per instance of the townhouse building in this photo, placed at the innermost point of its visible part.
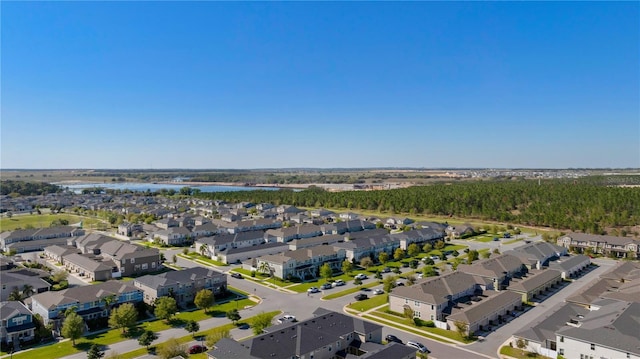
(20, 280)
(36, 239)
(302, 263)
(16, 324)
(539, 254)
(215, 245)
(285, 235)
(619, 247)
(365, 246)
(499, 269)
(88, 301)
(182, 285)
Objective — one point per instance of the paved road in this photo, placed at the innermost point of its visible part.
(496, 339)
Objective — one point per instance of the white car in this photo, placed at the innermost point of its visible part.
(338, 283)
(286, 319)
(313, 290)
(361, 276)
(378, 291)
(419, 347)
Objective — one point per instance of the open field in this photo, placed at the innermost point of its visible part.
(44, 220)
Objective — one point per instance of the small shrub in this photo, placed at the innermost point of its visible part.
(253, 274)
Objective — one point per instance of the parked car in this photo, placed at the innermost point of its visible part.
(361, 276)
(435, 257)
(338, 283)
(392, 338)
(496, 238)
(419, 347)
(326, 286)
(378, 291)
(361, 296)
(287, 318)
(236, 275)
(399, 283)
(195, 349)
(386, 270)
(313, 290)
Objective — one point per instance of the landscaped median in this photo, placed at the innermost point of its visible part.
(350, 291)
(64, 348)
(519, 353)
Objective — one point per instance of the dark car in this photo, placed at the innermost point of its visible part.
(361, 296)
(195, 349)
(326, 286)
(236, 275)
(392, 338)
(386, 270)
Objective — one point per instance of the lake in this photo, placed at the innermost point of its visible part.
(153, 187)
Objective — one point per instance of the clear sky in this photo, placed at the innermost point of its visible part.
(320, 84)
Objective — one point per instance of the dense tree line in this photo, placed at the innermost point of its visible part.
(554, 203)
(27, 188)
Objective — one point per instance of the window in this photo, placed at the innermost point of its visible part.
(561, 351)
(133, 260)
(145, 266)
(416, 303)
(593, 347)
(153, 264)
(561, 339)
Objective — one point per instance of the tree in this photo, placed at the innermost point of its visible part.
(261, 321)
(462, 328)
(326, 272)
(95, 352)
(520, 343)
(172, 348)
(496, 251)
(204, 299)
(408, 313)
(73, 327)
(174, 259)
(27, 290)
(388, 283)
(146, 338)
(166, 307)
(411, 279)
(123, 317)
(485, 254)
(427, 248)
(203, 250)
(109, 301)
(192, 327)
(216, 334)
(233, 315)
(413, 250)
(357, 281)
(439, 245)
(15, 294)
(347, 266)
(429, 271)
(59, 275)
(472, 256)
(383, 257)
(366, 262)
(264, 268)
(398, 254)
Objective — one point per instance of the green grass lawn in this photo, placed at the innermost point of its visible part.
(453, 335)
(194, 256)
(372, 302)
(114, 336)
(350, 290)
(44, 220)
(520, 354)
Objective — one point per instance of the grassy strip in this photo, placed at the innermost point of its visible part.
(367, 304)
(350, 291)
(520, 354)
(114, 336)
(199, 257)
(402, 320)
(410, 330)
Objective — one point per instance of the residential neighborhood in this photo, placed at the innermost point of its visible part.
(260, 244)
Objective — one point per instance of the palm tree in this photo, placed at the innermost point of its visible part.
(27, 290)
(265, 268)
(203, 250)
(108, 301)
(15, 294)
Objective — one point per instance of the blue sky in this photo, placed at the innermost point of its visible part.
(320, 84)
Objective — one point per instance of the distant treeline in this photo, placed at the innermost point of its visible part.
(27, 188)
(586, 206)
